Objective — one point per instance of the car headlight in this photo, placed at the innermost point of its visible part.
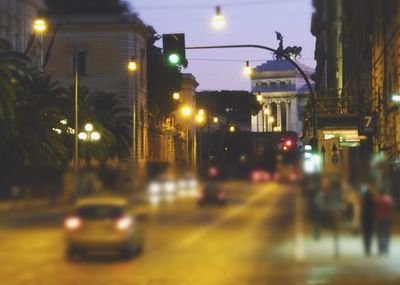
(192, 183)
(154, 188)
(169, 187)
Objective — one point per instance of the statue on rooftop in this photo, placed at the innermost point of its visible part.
(293, 52)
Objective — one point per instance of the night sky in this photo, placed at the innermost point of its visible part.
(248, 22)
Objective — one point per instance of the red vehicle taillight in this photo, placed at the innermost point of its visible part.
(124, 223)
(73, 223)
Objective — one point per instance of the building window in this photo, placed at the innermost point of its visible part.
(264, 84)
(273, 84)
(283, 83)
(79, 58)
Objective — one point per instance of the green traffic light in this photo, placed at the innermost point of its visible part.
(174, 58)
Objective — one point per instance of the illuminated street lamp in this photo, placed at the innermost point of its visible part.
(267, 111)
(132, 65)
(176, 96)
(40, 26)
(272, 120)
(218, 21)
(82, 136)
(186, 111)
(89, 127)
(95, 136)
(215, 120)
(247, 70)
(200, 119)
(201, 112)
(232, 129)
(89, 134)
(259, 98)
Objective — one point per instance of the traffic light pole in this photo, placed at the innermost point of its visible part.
(310, 88)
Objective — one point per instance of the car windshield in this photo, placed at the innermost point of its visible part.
(99, 212)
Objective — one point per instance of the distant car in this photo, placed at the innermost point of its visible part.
(162, 189)
(188, 186)
(259, 176)
(99, 224)
(212, 194)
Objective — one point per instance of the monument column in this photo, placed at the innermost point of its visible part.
(288, 115)
(279, 116)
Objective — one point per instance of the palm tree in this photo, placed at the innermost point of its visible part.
(112, 121)
(9, 62)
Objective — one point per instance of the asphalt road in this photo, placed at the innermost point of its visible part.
(253, 240)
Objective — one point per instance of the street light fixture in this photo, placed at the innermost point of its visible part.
(40, 26)
(247, 70)
(215, 120)
(176, 96)
(232, 129)
(218, 21)
(272, 120)
(186, 111)
(132, 65)
(259, 98)
(89, 127)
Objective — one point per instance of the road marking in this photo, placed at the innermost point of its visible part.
(234, 212)
(299, 246)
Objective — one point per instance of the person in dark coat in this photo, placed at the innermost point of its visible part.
(385, 209)
(367, 217)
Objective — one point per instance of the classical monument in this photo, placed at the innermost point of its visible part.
(281, 90)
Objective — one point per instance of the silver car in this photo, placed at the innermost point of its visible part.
(102, 224)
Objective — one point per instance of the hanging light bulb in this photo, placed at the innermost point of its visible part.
(247, 71)
(218, 21)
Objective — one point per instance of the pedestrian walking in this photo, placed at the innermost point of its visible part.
(367, 217)
(384, 205)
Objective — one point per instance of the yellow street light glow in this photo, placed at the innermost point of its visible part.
(275, 129)
(215, 120)
(95, 136)
(271, 119)
(259, 98)
(132, 65)
(232, 129)
(218, 21)
(82, 136)
(89, 127)
(247, 70)
(267, 111)
(186, 111)
(176, 96)
(200, 119)
(202, 112)
(39, 25)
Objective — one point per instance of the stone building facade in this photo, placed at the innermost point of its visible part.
(16, 21)
(103, 46)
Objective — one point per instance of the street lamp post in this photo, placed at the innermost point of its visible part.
(40, 26)
(186, 113)
(132, 67)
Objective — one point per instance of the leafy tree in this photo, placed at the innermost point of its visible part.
(163, 80)
(86, 7)
(239, 104)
